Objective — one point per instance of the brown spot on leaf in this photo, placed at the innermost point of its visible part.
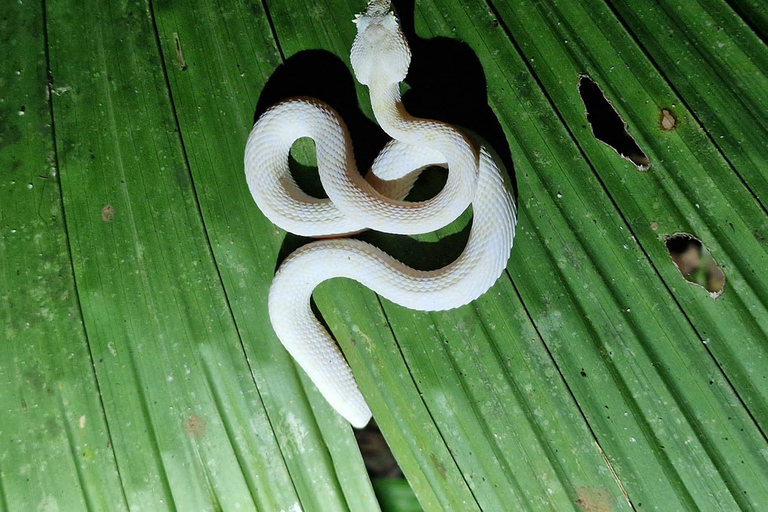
(194, 426)
(594, 499)
(440, 468)
(654, 226)
(667, 120)
(107, 213)
(179, 56)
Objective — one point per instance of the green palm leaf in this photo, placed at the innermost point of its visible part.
(139, 369)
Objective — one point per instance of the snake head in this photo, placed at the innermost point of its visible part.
(380, 51)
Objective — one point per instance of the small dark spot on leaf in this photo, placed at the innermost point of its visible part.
(583, 373)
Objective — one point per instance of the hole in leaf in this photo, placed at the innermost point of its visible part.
(607, 125)
(695, 262)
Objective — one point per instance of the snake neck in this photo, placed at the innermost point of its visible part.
(390, 112)
(395, 120)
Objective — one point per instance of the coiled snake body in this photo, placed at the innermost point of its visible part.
(380, 59)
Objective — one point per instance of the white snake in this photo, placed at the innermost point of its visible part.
(380, 59)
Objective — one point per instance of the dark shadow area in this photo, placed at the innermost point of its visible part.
(446, 82)
(421, 255)
(320, 74)
(607, 125)
(378, 459)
